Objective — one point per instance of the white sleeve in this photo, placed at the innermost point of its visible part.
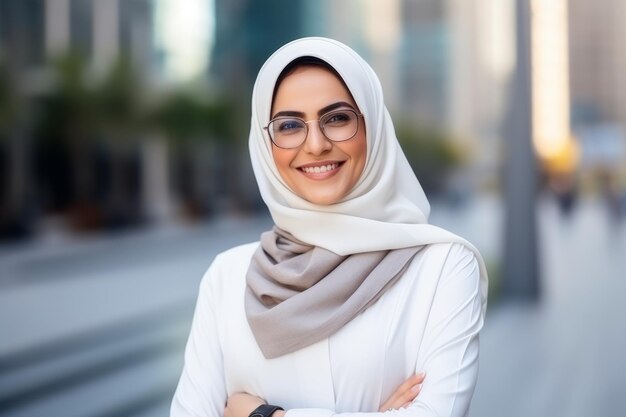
(449, 352)
(201, 389)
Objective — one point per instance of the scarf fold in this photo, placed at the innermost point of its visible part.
(298, 294)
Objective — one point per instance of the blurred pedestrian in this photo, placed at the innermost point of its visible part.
(611, 196)
(564, 188)
(353, 297)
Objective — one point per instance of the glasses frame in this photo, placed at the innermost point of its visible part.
(306, 123)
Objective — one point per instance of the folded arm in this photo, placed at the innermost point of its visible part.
(242, 404)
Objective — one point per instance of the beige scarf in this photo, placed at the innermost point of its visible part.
(298, 294)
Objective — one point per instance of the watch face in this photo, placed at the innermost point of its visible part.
(256, 415)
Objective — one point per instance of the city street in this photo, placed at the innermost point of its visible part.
(127, 133)
(96, 325)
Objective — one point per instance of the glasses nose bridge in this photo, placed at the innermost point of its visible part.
(315, 141)
(319, 121)
(319, 125)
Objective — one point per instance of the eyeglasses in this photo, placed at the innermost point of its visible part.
(291, 132)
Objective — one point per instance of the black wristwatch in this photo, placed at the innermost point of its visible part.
(265, 410)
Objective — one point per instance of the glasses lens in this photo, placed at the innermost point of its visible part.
(339, 125)
(287, 132)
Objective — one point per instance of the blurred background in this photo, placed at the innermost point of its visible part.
(124, 170)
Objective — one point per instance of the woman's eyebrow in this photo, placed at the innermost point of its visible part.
(289, 113)
(320, 112)
(333, 106)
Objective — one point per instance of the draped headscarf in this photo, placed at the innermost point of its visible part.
(386, 211)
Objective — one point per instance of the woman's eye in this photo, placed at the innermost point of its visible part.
(337, 119)
(290, 126)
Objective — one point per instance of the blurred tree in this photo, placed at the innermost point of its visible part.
(97, 122)
(17, 208)
(7, 108)
(185, 116)
(6, 120)
(17, 191)
(106, 125)
(202, 129)
(121, 121)
(68, 116)
(432, 155)
(118, 100)
(68, 107)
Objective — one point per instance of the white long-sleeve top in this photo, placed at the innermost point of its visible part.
(427, 321)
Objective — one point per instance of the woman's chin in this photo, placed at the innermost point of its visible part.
(323, 197)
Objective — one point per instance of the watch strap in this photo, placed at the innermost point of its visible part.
(265, 410)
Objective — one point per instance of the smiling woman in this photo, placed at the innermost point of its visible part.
(352, 304)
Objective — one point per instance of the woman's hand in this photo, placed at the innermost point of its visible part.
(241, 405)
(405, 393)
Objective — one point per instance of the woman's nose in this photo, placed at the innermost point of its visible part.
(316, 142)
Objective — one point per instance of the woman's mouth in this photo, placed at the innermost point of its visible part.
(321, 171)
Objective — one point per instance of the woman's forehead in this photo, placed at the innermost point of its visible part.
(310, 87)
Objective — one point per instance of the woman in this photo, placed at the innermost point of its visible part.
(352, 293)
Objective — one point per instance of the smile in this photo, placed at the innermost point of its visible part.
(321, 171)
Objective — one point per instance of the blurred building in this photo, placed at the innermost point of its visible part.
(21, 32)
(247, 32)
(32, 32)
(53, 163)
(598, 86)
(425, 61)
(456, 59)
(597, 61)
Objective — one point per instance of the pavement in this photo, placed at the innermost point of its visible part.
(563, 355)
(95, 325)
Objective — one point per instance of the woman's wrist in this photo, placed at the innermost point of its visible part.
(267, 410)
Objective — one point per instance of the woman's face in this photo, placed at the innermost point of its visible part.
(319, 170)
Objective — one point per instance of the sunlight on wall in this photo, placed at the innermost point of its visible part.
(497, 37)
(550, 78)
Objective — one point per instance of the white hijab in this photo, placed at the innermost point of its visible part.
(387, 209)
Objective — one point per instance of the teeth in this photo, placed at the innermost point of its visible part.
(320, 169)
